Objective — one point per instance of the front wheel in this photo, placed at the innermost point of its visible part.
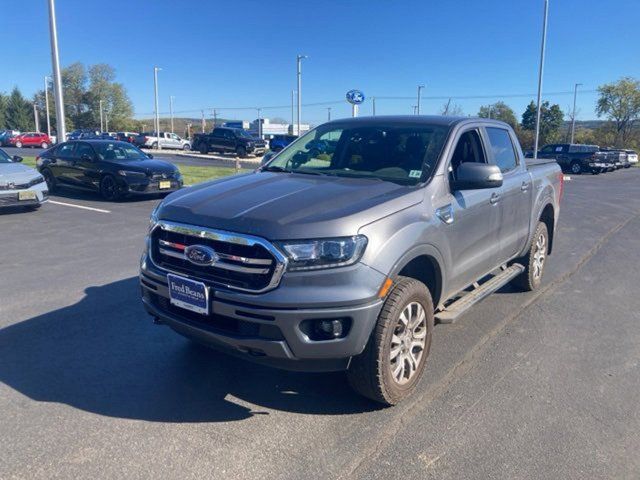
(389, 368)
(203, 149)
(109, 188)
(534, 260)
(241, 152)
(576, 168)
(18, 144)
(186, 147)
(154, 145)
(44, 145)
(49, 179)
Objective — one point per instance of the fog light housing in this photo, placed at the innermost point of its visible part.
(326, 328)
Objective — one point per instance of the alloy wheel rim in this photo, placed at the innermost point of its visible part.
(539, 256)
(408, 343)
(576, 168)
(109, 187)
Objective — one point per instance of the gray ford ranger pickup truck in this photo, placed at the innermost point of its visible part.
(342, 251)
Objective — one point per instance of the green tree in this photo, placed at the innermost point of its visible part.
(620, 103)
(3, 111)
(18, 113)
(499, 111)
(551, 119)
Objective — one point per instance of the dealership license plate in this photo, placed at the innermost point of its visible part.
(27, 195)
(188, 294)
(165, 185)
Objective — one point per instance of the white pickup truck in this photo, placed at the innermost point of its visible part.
(165, 140)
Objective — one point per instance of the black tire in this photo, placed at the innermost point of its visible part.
(595, 172)
(370, 373)
(241, 152)
(154, 145)
(203, 149)
(50, 179)
(109, 188)
(18, 144)
(186, 147)
(531, 278)
(576, 168)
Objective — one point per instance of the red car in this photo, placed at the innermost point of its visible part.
(30, 139)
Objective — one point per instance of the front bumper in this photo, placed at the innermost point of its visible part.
(11, 198)
(148, 187)
(270, 328)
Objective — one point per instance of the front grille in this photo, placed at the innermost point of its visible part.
(245, 263)
(22, 186)
(162, 176)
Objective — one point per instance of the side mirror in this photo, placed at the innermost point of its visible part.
(17, 158)
(149, 155)
(86, 157)
(475, 176)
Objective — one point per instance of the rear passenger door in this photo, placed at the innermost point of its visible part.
(472, 232)
(63, 166)
(516, 201)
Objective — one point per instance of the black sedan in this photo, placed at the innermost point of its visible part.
(115, 169)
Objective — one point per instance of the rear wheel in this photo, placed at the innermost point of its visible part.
(109, 188)
(50, 179)
(18, 144)
(44, 145)
(391, 365)
(535, 260)
(186, 147)
(576, 168)
(154, 145)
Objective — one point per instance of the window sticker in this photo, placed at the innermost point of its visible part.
(415, 173)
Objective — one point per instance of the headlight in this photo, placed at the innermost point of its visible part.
(324, 253)
(129, 173)
(153, 218)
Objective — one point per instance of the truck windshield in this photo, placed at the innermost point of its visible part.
(243, 133)
(405, 154)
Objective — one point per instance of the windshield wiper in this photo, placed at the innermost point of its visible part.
(307, 172)
(275, 168)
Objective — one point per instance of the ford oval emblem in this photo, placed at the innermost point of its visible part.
(201, 255)
(355, 97)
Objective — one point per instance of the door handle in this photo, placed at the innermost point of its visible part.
(524, 187)
(495, 198)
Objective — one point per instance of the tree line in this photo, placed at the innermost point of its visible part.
(84, 87)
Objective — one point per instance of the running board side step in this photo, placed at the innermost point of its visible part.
(452, 312)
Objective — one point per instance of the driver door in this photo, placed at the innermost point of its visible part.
(473, 218)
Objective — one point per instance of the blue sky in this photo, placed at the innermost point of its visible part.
(242, 52)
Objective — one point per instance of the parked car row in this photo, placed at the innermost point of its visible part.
(581, 158)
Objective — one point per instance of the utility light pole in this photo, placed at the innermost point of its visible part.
(420, 87)
(293, 116)
(35, 117)
(106, 121)
(215, 118)
(259, 122)
(155, 88)
(573, 116)
(171, 112)
(57, 80)
(328, 114)
(299, 75)
(46, 103)
(540, 73)
(101, 117)
(373, 103)
(203, 121)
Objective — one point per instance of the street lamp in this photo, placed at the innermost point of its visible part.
(101, 117)
(299, 75)
(155, 89)
(573, 116)
(57, 80)
(540, 73)
(420, 87)
(373, 103)
(259, 122)
(171, 111)
(293, 115)
(328, 114)
(35, 116)
(46, 102)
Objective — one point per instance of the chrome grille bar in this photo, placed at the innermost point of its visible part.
(222, 265)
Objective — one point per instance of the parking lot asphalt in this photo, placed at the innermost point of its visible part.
(526, 385)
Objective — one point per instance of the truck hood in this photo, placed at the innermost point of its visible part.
(280, 206)
(16, 173)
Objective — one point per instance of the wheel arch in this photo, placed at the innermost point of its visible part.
(547, 216)
(424, 264)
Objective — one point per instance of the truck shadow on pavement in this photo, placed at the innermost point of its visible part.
(104, 355)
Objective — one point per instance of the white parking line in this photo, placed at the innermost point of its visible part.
(80, 206)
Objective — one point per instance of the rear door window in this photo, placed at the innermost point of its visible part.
(504, 155)
(65, 150)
